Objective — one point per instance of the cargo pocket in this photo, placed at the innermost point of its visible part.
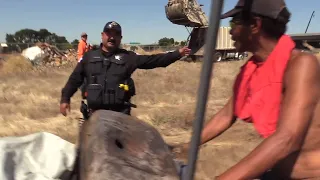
(109, 97)
(120, 96)
(95, 97)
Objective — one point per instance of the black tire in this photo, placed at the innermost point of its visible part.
(241, 57)
(218, 57)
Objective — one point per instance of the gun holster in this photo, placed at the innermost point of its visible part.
(84, 110)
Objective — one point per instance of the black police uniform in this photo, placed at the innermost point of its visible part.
(108, 75)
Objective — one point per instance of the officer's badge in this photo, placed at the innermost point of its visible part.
(117, 57)
(113, 24)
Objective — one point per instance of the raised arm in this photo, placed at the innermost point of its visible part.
(160, 60)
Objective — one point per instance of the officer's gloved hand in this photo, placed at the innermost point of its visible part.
(64, 107)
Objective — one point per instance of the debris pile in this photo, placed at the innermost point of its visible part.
(49, 55)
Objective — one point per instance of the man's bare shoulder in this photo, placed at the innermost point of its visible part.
(302, 65)
(303, 56)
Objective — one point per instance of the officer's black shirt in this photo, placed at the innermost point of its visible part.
(134, 62)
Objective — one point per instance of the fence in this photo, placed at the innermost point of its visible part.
(19, 47)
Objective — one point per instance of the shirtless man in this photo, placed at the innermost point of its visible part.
(282, 101)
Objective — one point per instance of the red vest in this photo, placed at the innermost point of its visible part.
(258, 88)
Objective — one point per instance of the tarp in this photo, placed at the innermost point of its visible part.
(34, 54)
(39, 156)
(3, 45)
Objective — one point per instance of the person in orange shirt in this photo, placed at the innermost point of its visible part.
(82, 46)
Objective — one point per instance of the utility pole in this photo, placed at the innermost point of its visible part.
(312, 15)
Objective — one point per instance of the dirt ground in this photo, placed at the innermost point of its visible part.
(166, 98)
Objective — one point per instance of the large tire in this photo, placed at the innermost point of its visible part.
(218, 57)
(241, 57)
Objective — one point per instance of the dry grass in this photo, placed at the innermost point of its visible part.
(173, 96)
(166, 98)
(16, 63)
(143, 52)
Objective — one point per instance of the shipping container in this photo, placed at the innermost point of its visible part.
(224, 41)
(225, 49)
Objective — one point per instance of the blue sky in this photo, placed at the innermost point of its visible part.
(142, 21)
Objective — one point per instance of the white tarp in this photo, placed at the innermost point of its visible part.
(33, 53)
(3, 45)
(39, 156)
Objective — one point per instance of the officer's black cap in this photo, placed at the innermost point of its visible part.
(112, 25)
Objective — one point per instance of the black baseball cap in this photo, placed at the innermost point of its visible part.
(267, 8)
(112, 25)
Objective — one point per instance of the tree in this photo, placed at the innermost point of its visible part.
(171, 41)
(133, 48)
(44, 35)
(183, 43)
(30, 36)
(75, 42)
(166, 41)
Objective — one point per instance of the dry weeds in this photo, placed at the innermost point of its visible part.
(166, 98)
(143, 52)
(16, 63)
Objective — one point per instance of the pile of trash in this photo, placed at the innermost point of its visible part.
(49, 55)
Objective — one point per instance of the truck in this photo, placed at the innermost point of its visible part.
(188, 13)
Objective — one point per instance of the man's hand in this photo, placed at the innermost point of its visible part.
(64, 107)
(185, 51)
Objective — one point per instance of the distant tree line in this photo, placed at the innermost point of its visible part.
(170, 42)
(28, 37)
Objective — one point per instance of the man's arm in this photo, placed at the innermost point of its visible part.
(156, 60)
(74, 82)
(219, 123)
(302, 92)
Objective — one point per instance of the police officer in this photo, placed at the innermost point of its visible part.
(108, 70)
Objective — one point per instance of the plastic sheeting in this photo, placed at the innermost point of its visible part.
(39, 156)
(33, 53)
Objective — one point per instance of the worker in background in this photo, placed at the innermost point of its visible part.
(278, 90)
(82, 46)
(108, 73)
